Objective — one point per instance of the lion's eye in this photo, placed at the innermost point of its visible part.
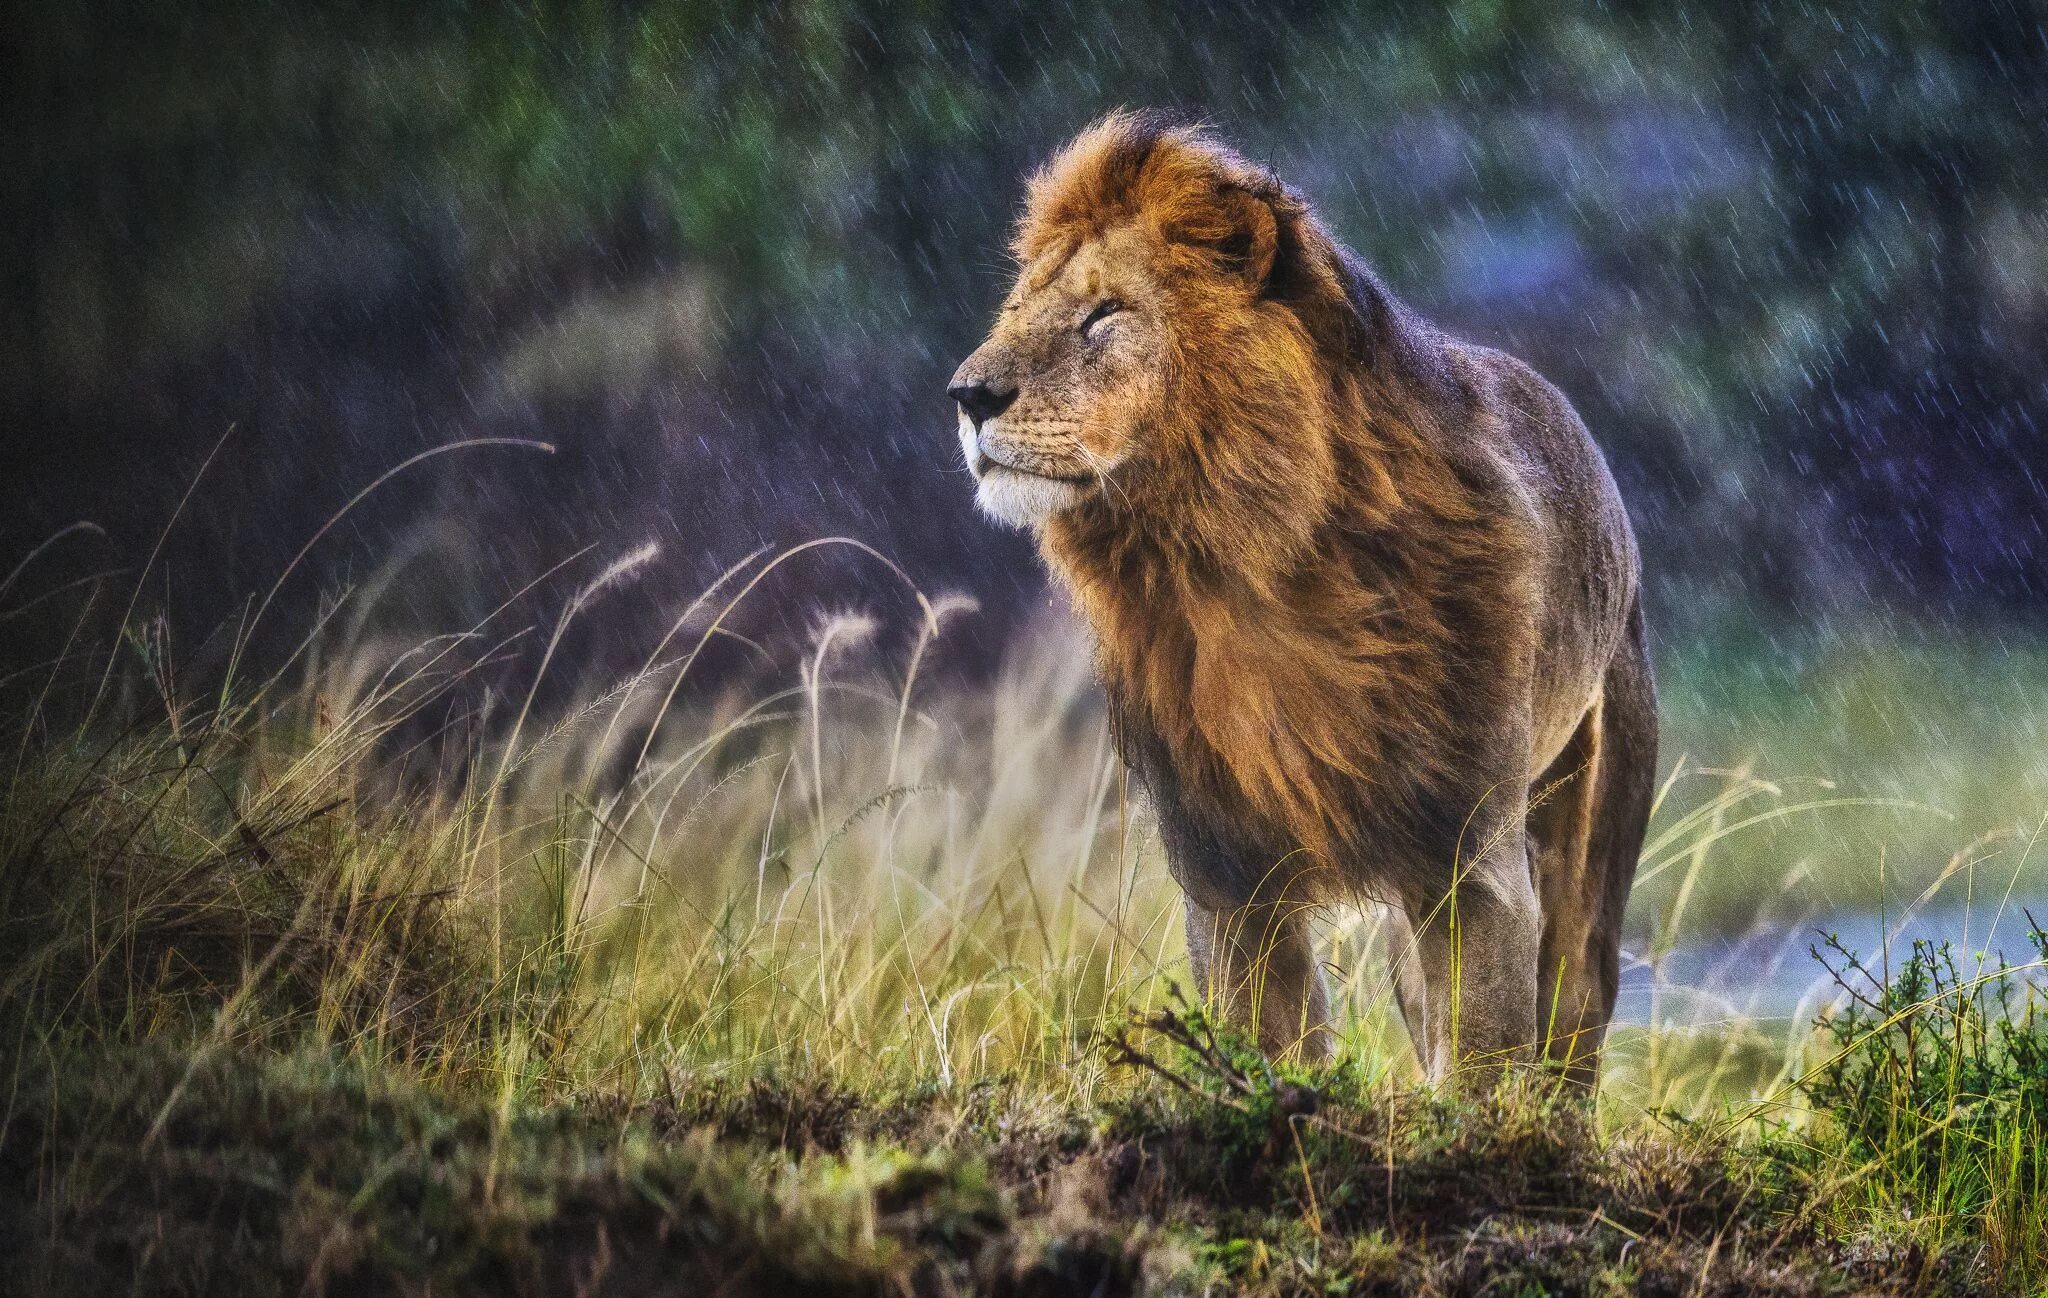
(1103, 311)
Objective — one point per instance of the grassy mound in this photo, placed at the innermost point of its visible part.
(152, 1171)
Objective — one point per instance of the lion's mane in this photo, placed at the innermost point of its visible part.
(1280, 600)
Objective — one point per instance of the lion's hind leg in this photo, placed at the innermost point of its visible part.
(1586, 822)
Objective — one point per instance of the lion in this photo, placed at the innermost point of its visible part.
(1364, 598)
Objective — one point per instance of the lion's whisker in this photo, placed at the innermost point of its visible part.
(1102, 474)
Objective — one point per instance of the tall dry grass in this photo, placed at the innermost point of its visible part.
(854, 869)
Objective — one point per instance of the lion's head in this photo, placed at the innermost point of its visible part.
(1164, 341)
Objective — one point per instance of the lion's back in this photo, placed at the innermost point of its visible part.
(1584, 565)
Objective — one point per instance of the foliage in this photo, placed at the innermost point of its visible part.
(1933, 1090)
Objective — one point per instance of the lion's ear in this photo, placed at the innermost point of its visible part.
(1254, 238)
(1235, 226)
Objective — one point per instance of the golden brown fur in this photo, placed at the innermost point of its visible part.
(1358, 592)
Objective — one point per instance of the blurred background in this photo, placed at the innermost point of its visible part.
(1790, 261)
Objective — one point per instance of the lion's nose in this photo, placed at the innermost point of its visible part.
(981, 402)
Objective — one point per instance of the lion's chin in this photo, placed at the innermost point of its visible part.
(1024, 500)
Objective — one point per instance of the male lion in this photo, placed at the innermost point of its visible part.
(1365, 597)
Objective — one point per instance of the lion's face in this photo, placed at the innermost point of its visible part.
(1056, 403)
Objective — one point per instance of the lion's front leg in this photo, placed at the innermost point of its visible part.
(1256, 965)
(1477, 948)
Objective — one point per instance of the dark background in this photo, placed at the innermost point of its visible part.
(1790, 261)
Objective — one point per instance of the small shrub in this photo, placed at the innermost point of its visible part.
(1932, 1101)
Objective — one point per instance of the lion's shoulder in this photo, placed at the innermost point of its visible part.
(1526, 422)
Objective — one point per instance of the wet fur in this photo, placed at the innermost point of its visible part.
(1366, 611)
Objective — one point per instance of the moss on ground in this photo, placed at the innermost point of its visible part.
(157, 1171)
